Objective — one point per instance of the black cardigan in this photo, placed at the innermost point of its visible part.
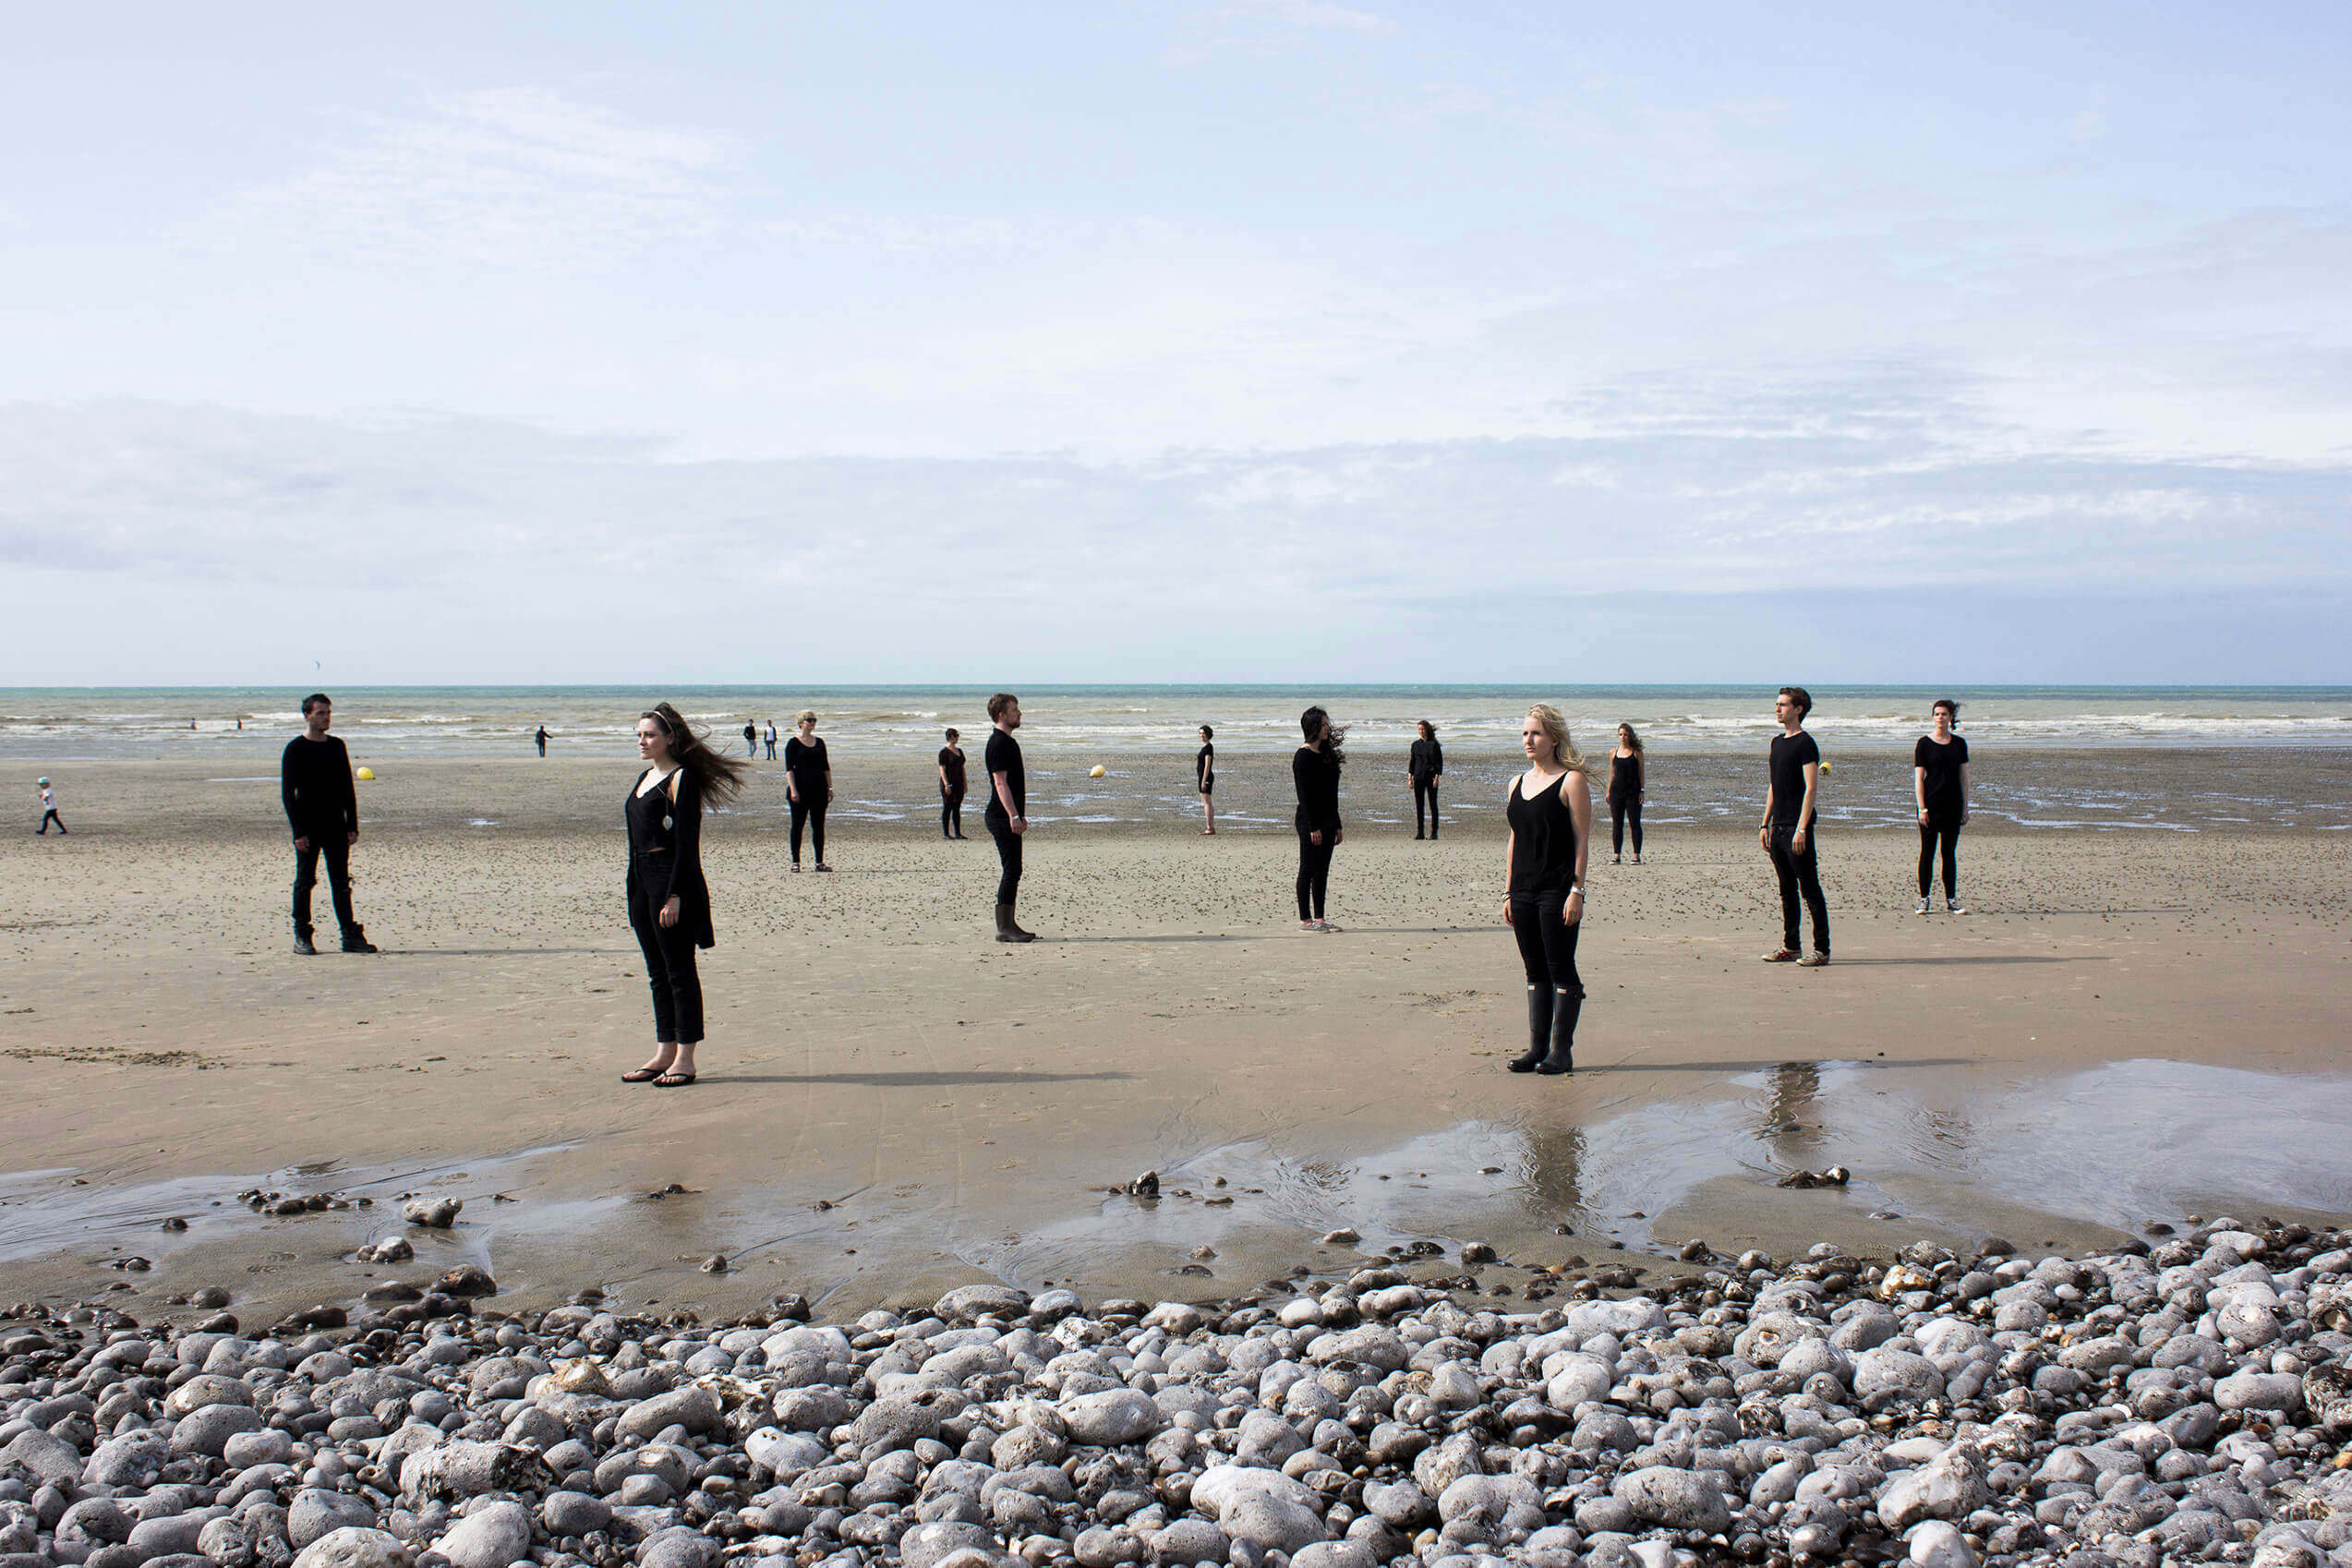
(665, 851)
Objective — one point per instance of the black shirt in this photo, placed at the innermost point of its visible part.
(1204, 764)
(1543, 840)
(1429, 760)
(1944, 797)
(1316, 776)
(1004, 756)
(1790, 754)
(805, 761)
(314, 779)
(951, 759)
(1624, 779)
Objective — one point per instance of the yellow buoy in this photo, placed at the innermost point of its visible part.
(1096, 771)
(366, 773)
(1824, 768)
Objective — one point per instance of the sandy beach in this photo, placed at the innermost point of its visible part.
(2129, 1026)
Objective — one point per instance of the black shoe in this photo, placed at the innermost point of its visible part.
(1417, 837)
(1538, 1028)
(302, 945)
(1007, 930)
(1563, 1055)
(354, 940)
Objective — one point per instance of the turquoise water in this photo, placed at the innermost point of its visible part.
(61, 723)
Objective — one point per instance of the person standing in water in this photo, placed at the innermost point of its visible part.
(1787, 832)
(542, 739)
(49, 811)
(668, 899)
(808, 782)
(322, 807)
(769, 735)
(1007, 814)
(1425, 767)
(1628, 783)
(1939, 784)
(1314, 773)
(1550, 808)
(1204, 779)
(951, 787)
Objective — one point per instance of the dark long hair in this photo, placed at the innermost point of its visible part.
(1632, 740)
(721, 777)
(1311, 724)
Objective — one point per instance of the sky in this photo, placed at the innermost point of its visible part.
(1256, 340)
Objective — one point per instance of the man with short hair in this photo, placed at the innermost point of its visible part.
(1007, 816)
(1787, 831)
(322, 805)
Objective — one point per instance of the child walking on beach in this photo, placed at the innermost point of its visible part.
(49, 811)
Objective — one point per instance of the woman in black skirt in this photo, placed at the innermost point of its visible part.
(669, 900)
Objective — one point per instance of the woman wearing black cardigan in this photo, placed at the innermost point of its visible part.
(669, 900)
(1314, 770)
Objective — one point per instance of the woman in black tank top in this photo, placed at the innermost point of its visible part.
(1628, 782)
(1550, 808)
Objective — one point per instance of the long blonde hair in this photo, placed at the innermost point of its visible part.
(1555, 728)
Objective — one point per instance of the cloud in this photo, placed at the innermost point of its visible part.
(509, 177)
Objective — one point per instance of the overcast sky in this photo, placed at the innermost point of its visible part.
(1256, 340)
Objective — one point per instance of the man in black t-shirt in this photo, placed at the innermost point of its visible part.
(1787, 831)
(1007, 813)
(322, 806)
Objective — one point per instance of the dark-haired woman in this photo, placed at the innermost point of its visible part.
(1424, 766)
(669, 900)
(1628, 783)
(951, 787)
(1550, 808)
(1205, 778)
(1314, 771)
(1939, 784)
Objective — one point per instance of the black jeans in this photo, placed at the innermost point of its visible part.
(1800, 878)
(1000, 827)
(951, 814)
(1314, 872)
(1931, 832)
(670, 971)
(808, 811)
(1546, 944)
(1425, 789)
(334, 843)
(1620, 813)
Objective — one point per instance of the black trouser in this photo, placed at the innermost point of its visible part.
(808, 810)
(1000, 827)
(543, 748)
(1425, 789)
(1314, 871)
(1930, 833)
(670, 971)
(1546, 944)
(335, 844)
(771, 751)
(1800, 878)
(49, 817)
(951, 814)
(1620, 814)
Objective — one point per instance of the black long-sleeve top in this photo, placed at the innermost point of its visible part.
(1316, 776)
(665, 850)
(1429, 760)
(314, 779)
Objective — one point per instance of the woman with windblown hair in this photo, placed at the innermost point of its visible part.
(1550, 808)
(669, 900)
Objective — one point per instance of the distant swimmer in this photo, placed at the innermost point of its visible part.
(1628, 784)
(1939, 784)
(1314, 774)
(322, 806)
(1007, 814)
(808, 785)
(1550, 808)
(1205, 778)
(1425, 767)
(542, 739)
(768, 737)
(951, 787)
(668, 899)
(1791, 801)
(49, 811)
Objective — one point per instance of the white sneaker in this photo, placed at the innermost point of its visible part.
(1922, 905)
(1953, 906)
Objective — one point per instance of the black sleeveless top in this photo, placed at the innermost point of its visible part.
(1543, 856)
(1624, 779)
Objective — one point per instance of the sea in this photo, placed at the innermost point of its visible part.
(55, 724)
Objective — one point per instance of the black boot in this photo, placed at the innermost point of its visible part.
(1538, 1028)
(1006, 930)
(1563, 1055)
(302, 943)
(354, 940)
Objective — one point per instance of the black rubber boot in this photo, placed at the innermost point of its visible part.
(1563, 1055)
(1006, 930)
(1538, 1028)
(354, 940)
(302, 945)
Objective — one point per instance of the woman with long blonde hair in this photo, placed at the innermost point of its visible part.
(1550, 808)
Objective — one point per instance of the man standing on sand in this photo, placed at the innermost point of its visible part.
(1007, 816)
(542, 739)
(771, 739)
(751, 739)
(323, 805)
(1785, 832)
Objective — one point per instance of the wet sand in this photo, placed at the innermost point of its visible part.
(2130, 1026)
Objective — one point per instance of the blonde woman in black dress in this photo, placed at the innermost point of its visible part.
(669, 900)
